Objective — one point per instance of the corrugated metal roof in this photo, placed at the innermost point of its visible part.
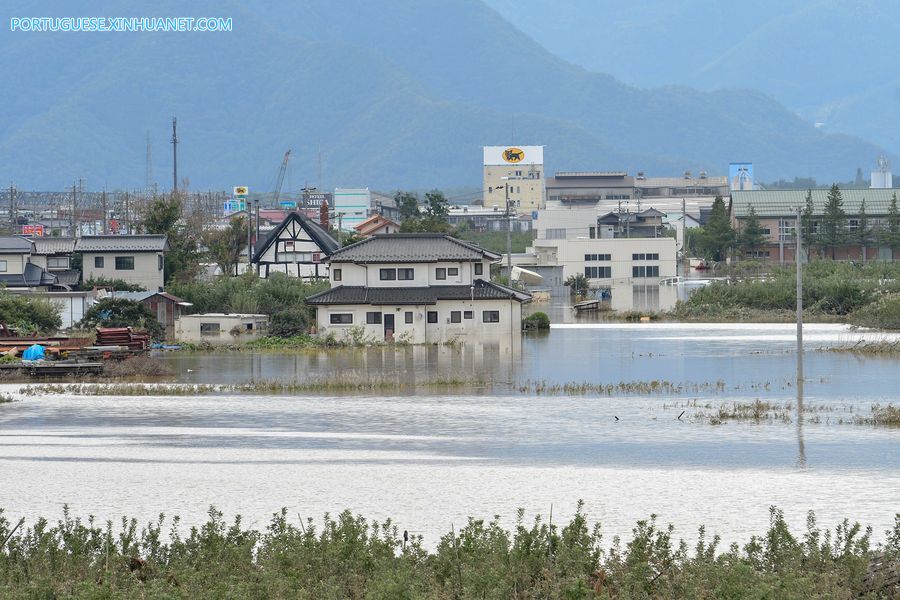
(784, 203)
(122, 243)
(482, 290)
(412, 247)
(33, 276)
(15, 244)
(53, 245)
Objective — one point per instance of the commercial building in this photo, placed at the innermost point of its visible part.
(482, 218)
(515, 173)
(298, 247)
(777, 213)
(135, 259)
(570, 189)
(351, 207)
(416, 288)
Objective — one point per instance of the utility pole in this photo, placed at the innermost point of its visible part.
(72, 214)
(174, 155)
(508, 236)
(249, 232)
(797, 260)
(12, 209)
(103, 206)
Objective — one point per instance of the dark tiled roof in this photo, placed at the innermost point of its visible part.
(483, 290)
(32, 277)
(53, 245)
(68, 277)
(321, 237)
(412, 247)
(15, 243)
(122, 243)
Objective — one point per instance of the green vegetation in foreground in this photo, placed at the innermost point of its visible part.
(867, 295)
(350, 557)
(864, 348)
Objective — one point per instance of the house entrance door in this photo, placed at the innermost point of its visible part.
(388, 326)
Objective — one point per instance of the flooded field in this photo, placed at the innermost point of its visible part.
(431, 459)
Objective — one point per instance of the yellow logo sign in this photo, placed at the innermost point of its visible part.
(240, 190)
(513, 155)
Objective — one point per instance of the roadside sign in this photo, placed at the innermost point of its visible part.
(35, 230)
(241, 190)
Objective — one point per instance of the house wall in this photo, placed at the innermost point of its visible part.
(189, 328)
(294, 253)
(571, 255)
(352, 274)
(15, 263)
(147, 272)
(165, 311)
(420, 331)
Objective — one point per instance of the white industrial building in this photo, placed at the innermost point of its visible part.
(351, 207)
(515, 173)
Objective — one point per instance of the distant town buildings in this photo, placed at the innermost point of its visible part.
(516, 174)
(351, 207)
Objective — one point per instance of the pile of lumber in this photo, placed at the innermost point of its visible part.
(122, 336)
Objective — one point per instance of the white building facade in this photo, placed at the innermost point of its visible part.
(298, 247)
(351, 207)
(521, 169)
(416, 288)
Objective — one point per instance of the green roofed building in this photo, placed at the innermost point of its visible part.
(777, 213)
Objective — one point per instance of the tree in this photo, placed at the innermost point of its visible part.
(808, 225)
(165, 215)
(833, 232)
(578, 283)
(408, 205)
(717, 235)
(863, 232)
(437, 208)
(121, 312)
(890, 236)
(751, 235)
(224, 247)
(31, 313)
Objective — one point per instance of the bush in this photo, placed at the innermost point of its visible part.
(882, 314)
(290, 322)
(536, 322)
(31, 313)
(120, 312)
(118, 285)
(247, 293)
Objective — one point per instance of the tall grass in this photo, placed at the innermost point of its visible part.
(348, 556)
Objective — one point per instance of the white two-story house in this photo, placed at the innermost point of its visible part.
(417, 288)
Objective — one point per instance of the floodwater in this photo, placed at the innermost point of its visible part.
(430, 460)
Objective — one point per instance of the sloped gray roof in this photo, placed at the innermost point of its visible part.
(32, 277)
(14, 243)
(482, 290)
(122, 243)
(412, 247)
(53, 245)
(784, 203)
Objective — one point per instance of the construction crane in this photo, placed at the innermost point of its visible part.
(280, 179)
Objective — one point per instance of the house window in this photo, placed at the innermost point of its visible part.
(2, 266)
(490, 316)
(124, 263)
(650, 271)
(57, 262)
(406, 274)
(592, 232)
(453, 272)
(479, 268)
(432, 316)
(341, 319)
(98, 262)
(336, 274)
(373, 318)
(159, 262)
(455, 316)
(210, 329)
(408, 317)
(555, 233)
(440, 273)
(387, 274)
(467, 314)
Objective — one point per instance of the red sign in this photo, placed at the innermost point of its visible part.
(35, 230)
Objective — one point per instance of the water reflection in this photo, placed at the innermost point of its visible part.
(801, 446)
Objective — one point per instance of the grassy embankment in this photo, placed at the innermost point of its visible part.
(350, 557)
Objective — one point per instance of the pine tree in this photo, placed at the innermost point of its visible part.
(751, 235)
(717, 236)
(863, 230)
(891, 236)
(807, 225)
(833, 232)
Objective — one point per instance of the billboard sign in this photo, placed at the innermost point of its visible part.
(34, 230)
(740, 176)
(513, 155)
(314, 199)
(241, 190)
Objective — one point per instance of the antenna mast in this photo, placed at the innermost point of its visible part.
(174, 155)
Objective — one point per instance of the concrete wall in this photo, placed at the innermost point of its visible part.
(147, 272)
(423, 274)
(219, 328)
(420, 331)
(526, 194)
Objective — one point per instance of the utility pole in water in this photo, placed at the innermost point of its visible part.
(174, 155)
(798, 261)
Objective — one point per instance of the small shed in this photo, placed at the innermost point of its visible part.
(221, 328)
(165, 306)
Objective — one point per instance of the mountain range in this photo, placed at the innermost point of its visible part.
(389, 94)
